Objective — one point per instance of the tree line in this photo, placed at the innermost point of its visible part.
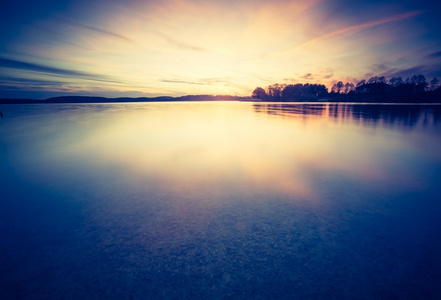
(375, 89)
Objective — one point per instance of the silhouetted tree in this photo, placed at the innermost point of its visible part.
(302, 92)
(318, 90)
(275, 92)
(376, 89)
(342, 88)
(292, 92)
(396, 81)
(259, 93)
(337, 87)
(419, 81)
(349, 87)
(377, 79)
(374, 86)
(434, 84)
(361, 83)
(372, 80)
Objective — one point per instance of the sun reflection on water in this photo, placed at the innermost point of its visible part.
(240, 144)
(173, 199)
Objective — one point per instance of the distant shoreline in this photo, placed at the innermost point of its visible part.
(91, 99)
(199, 98)
(85, 100)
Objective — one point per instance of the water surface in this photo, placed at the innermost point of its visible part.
(220, 199)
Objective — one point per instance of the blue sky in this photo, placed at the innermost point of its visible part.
(177, 47)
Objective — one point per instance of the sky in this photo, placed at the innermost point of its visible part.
(153, 48)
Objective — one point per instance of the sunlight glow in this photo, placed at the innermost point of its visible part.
(177, 47)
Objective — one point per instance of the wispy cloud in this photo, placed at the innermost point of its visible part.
(203, 81)
(96, 29)
(12, 81)
(434, 55)
(307, 76)
(405, 72)
(181, 44)
(15, 64)
(182, 81)
(351, 30)
(21, 65)
(192, 46)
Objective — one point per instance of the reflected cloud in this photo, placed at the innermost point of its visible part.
(221, 147)
(182, 146)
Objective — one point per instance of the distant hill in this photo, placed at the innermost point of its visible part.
(89, 99)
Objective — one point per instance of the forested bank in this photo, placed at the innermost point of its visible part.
(375, 89)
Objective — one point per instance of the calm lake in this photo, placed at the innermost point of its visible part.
(220, 199)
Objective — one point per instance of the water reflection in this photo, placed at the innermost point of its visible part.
(203, 200)
(406, 115)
